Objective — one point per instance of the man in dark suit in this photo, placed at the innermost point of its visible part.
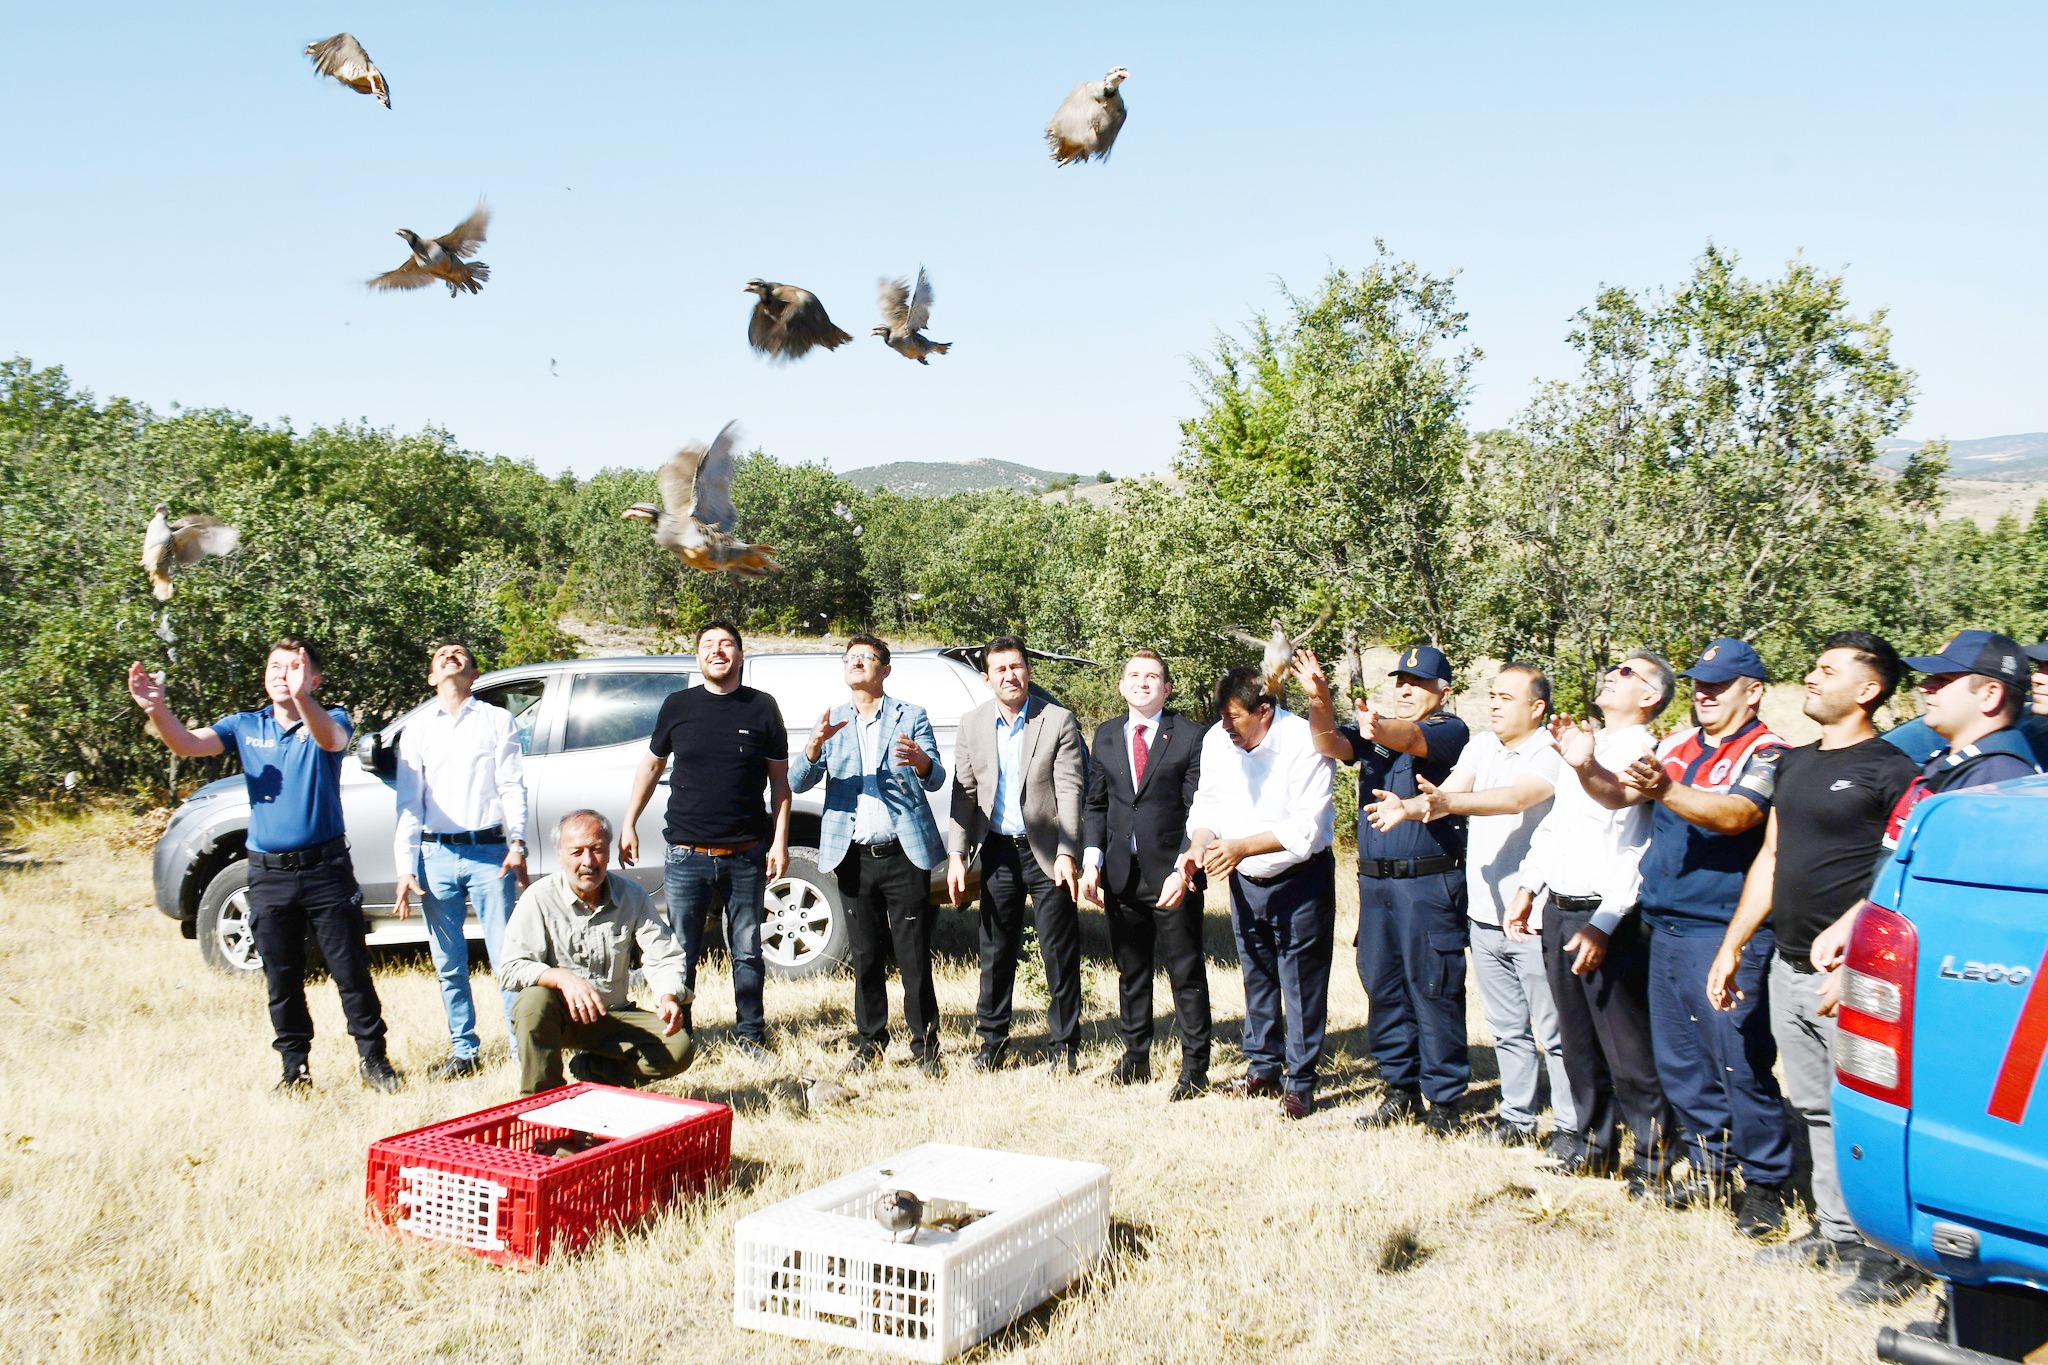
(1134, 825)
(1019, 772)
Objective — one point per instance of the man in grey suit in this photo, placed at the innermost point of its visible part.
(1019, 769)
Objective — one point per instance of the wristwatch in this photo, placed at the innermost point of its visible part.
(517, 846)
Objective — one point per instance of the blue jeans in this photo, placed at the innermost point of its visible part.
(691, 880)
(456, 879)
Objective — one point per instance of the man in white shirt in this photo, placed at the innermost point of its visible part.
(1504, 781)
(461, 840)
(1262, 817)
(1578, 884)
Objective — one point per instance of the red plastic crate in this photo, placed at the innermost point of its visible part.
(478, 1182)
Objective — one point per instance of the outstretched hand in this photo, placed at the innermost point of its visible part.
(144, 687)
(1309, 673)
(1574, 740)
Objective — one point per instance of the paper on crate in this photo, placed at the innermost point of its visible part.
(607, 1113)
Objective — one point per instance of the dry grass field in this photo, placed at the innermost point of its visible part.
(158, 1204)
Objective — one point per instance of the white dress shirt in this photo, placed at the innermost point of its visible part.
(1584, 849)
(1495, 845)
(872, 823)
(1135, 725)
(458, 773)
(1282, 786)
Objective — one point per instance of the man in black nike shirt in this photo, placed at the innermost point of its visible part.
(1826, 827)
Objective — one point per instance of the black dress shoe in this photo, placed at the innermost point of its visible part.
(991, 1055)
(455, 1068)
(1133, 1068)
(598, 1069)
(1063, 1059)
(1296, 1105)
(1694, 1191)
(377, 1073)
(930, 1067)
(1761, 1210)
(297, 1082)
(863, 1059)
(1591, 1165)
(1881, 1279)
(1250, 1087)
(1399, 1106)
(1494, 1128)
(1188, 1088)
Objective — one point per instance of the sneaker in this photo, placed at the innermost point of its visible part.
(1297, 1105)
(455, 1068)
(991, 1055)
(377, 1073)
(1761, 1210)
(1691, 1192)
(1250, 1087)
(1133, 1068)
(1882, 1279)
(1814, 1248)
(930, 1067)
(1494, 1128)
(753, 1049)
(1399, 1106)
(1443, 1120)
(863, 1059)
(1188, 1088)
(1587, 1164)
(297, 1082)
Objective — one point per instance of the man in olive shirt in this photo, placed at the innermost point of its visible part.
(568, 952)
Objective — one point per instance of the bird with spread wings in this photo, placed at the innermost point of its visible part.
(443, 258)
(788, 321)
(343, 58)
(1277, 650)
(695, 521)
(905, 311)
(169, 545)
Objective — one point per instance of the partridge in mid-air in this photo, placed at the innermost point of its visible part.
(343, 58)
(169, 545)
(443, 258)
(696, 518)
(788, 321)
(904, 314)
(1088, 120)
(1277, 650)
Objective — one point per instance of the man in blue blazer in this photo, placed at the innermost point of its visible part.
(877, 757)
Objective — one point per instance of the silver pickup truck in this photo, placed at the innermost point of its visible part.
(583, 724)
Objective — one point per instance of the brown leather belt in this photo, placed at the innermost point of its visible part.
(720, 851)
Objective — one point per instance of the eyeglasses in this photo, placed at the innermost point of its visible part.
(1623, 671)
(864, 657)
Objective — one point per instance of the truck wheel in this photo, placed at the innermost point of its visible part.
(226, 939)
(803, 925)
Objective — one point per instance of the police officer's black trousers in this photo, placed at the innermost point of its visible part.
(283, 907)
(1411, 959)
(1139, 929)
(1603, 1025)
(1008, 875)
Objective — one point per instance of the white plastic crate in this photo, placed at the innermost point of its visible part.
(820, 1267)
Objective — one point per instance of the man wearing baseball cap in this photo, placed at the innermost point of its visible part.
(1411, 889)
(1713, 787)
(1921, 741)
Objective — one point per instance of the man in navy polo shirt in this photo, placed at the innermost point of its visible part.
(300, 877)
(1411, 889)
(1713, 787)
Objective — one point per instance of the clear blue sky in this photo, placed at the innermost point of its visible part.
(190, 213)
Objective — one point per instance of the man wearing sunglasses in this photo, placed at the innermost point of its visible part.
(1712, 787)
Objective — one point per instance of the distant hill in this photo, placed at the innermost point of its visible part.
(939, 477)
(1996, 459)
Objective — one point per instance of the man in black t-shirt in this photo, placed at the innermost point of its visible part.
(729, 745)
(1825, 829)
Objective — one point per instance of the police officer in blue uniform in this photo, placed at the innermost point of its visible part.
(1411, 889)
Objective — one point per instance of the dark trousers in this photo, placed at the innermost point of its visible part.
(1140, 933)
(1285, 932)
(1008, 875)
(283, 907)
(691, 882)
(1716, 1066)
(1603, 1024)
(1411, 959)
(888, 904)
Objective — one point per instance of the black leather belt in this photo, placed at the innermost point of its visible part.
(1021, 841)
(299, 859)
(1390, 869)
(880, 849)
(494, 835)
(1576, 905)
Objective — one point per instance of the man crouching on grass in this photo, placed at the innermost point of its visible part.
(568, 952)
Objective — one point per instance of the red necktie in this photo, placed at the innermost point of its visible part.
(1138, 758)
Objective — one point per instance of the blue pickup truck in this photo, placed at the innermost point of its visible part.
(1940, 1106)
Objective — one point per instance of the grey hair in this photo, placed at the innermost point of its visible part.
(575, 815)
(1662, 677)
